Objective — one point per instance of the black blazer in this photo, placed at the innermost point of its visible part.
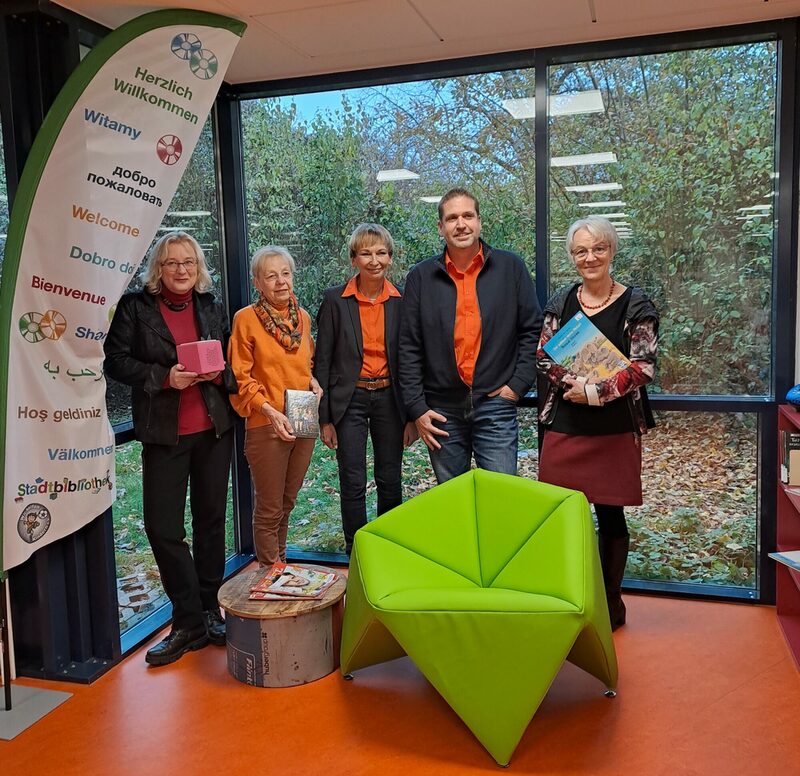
(339, 351)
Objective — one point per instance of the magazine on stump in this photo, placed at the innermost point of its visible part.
(283, 580)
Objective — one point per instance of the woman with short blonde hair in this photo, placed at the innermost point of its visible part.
(358, 328)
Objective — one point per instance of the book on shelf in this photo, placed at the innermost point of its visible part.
(284, 581)
(790, 559)
(790, 457)
(300, 408)
(581, 348)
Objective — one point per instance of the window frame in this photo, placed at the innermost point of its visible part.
(783, 312)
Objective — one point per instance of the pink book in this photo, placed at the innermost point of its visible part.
(202, 357)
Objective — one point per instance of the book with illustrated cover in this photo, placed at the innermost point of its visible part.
(283, 580)
(301, 411)
(580, 347)
(790, 559)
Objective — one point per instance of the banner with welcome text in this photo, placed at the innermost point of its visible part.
(101, 173)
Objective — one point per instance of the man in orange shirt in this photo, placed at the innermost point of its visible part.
(468, 337)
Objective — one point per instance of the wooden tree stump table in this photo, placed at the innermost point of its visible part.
(281, 643)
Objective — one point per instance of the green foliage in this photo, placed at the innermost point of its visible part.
(693, 131)
(132, 548)
(680, 547)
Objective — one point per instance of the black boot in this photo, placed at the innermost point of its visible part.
(215, 625)
(613, 557)
(178, 642)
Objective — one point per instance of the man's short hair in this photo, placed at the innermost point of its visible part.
(366, 235)
(458, 192)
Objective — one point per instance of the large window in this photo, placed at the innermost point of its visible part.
(316, 165)
(676, 148)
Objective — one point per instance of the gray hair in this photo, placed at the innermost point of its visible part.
(267, 252)
(600, 228)
(151, 274)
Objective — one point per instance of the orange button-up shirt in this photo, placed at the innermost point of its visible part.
(467, 331)
(373, 334)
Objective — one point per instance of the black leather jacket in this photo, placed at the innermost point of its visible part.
(140, 351)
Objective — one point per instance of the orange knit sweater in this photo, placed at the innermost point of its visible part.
(263, 369)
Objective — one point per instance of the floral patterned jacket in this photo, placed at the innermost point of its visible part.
(640, 336)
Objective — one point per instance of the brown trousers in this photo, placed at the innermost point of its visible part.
(278, 469)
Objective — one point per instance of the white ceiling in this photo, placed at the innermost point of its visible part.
(290, 38)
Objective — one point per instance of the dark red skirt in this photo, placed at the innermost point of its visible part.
(607, 468)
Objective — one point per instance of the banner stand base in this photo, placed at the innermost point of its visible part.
(29, 706)
(79, 673)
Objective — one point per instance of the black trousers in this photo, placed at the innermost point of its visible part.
(373, 412)
(202, 461)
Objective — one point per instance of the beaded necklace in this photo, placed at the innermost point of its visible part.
(595, 306)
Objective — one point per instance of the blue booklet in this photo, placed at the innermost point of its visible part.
(580, 347)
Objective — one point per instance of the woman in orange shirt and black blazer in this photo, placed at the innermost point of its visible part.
(355, 363)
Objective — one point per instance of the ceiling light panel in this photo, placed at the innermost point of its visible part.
(567, 104)
(605, 157)
(400, 174)
(595, 187)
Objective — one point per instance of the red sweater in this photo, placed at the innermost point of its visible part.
(192, 414)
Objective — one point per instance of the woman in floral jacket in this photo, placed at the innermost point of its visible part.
(593, 431)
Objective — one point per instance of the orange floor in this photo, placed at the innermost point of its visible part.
(705, 688)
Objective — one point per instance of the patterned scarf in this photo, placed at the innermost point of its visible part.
(286, 326)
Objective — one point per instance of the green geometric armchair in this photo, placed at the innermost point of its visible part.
(488, 583)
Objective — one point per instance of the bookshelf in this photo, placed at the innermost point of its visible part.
(787, 581)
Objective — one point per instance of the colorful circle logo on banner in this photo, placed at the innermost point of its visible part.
(169, 149)
(53, 324)
(185, 44)
(35, 327)
(203, 64)
(33, 523)
(29, 327)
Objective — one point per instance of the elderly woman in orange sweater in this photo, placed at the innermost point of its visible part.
(270, 351)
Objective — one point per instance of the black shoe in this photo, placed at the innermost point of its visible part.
(176, 644)
(216, 627)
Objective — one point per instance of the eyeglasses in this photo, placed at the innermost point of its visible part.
(173, 265)
(598, 250)
(273, 277)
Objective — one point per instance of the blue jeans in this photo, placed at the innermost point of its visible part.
(488, 429)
